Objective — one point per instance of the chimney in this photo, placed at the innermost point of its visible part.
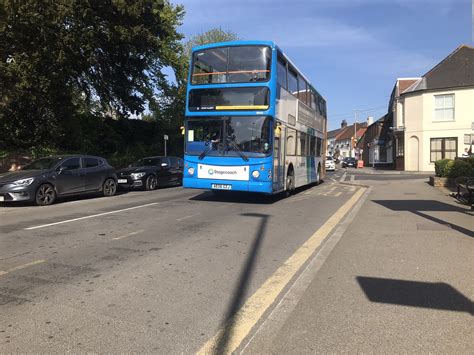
(370, 120)
(343, 124)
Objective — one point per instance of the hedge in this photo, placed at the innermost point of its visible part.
(454, 168)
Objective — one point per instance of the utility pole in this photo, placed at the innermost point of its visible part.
(355, 131)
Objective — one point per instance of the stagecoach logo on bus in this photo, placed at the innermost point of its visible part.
(223, 172)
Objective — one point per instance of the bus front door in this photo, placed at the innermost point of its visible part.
(278, 158)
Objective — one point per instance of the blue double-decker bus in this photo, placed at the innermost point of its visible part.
(253, 121)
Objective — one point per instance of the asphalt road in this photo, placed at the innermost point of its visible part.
(156, 271)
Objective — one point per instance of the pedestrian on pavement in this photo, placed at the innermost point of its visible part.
(466, 153)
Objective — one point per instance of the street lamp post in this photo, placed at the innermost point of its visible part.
(165, 137)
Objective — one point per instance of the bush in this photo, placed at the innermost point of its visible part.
(460, 168)
(440, 167)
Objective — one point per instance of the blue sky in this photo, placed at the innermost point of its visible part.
(351, 50)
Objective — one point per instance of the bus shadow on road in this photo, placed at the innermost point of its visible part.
(417, 206)
(241, 288)
(246, 197)
(434, 295)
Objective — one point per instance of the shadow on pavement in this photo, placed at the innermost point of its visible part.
(416, 206)
(245, 197)
(242, 285)
(434, 295)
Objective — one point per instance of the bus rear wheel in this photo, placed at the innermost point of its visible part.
(318, 176)
(290, 183)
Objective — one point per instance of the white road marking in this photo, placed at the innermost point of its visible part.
(343, 177)
(128, 235)
(338, 194)
(352, 177)
(24, 266)
(186, 217)
(91, 216)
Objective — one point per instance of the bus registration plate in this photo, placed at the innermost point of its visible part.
(221, 186)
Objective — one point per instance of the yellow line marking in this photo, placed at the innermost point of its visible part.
(254, 308)
(20, 267)
(338, 194)
(128, 235)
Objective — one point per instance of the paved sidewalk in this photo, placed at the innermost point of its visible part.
(378, 171)
(400, 280)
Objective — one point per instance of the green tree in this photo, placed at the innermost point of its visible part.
(212, 36)
(64, 59)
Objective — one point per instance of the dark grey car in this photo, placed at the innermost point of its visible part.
(45, 179)
(152, 172)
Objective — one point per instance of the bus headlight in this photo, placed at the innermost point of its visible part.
(255, 174)
(191, 171)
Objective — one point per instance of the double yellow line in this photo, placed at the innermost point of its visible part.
(252, 311)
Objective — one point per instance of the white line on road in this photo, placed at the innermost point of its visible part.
(186, 217)
(20, 267)
(91, 216)
(343, 177)
(352, 177)
(128, 235)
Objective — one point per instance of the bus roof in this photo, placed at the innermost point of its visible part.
(255, 43)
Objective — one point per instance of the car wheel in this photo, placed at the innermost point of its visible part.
(109, 188)
(45, 195)
(151, 183)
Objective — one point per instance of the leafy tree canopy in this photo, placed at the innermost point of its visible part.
(60, 59)
(211, 36)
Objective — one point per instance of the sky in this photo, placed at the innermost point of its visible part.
(352, 51)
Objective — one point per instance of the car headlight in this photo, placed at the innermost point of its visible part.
(24, 182)
(136, 176)
(191, 171)
(255, 174)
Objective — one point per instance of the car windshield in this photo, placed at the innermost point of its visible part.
(328, 158)
(42, 164)
(229, 136)
(145, 162)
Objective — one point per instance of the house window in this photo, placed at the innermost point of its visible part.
(443, 148)
(444, 108)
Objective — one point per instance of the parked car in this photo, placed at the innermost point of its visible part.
(349, 162)
(152, 172)
(45, 179)
(330, 164)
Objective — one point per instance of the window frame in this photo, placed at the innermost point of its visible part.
(294, 73)
(281, 60)
(444, 108)
(84, 163)
(191, 71)
(443, 148)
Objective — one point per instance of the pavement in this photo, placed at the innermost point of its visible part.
(399, 280)
(362, 263)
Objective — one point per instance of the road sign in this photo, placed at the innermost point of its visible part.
(165, 137)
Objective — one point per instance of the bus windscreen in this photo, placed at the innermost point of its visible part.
(234, 64)
(229, 136)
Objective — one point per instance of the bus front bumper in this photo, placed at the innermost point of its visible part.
(229, 185)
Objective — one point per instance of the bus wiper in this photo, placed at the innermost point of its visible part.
(236, 147)
(205, 151)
